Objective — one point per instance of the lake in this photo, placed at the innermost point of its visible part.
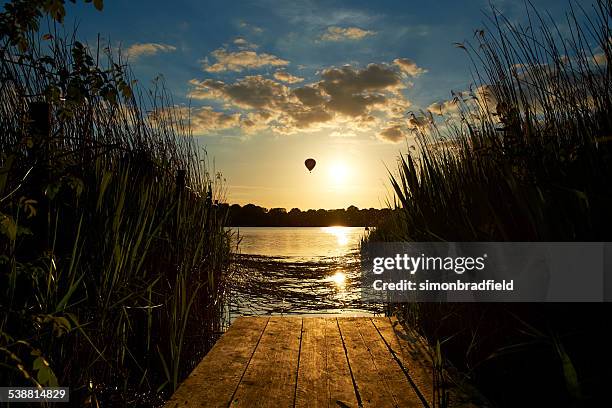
(298, 270)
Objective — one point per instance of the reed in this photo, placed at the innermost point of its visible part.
(524, 155)
(113, 251)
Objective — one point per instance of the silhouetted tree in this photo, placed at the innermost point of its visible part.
(252, 215)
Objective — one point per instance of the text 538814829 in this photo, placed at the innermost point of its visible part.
(34, 394)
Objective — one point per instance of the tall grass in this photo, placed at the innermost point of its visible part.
(524, 155)
(114, 254)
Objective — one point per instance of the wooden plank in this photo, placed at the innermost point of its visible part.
(270, 378)
(388, 367)
(324, 378)
(416, 356)
(312, 379)
(341, 388)
(412, 354)
(379, 379)
(214, 380)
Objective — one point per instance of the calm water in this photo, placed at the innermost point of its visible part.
(298, 271)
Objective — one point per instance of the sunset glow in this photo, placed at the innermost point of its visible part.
(339, 173)
(304, 199)
(270, 84)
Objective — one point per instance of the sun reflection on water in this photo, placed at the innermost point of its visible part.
(338, 278)
(340, 233)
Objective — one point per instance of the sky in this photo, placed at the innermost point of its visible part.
(268, 84)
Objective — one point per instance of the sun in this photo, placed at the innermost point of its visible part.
(338, 173)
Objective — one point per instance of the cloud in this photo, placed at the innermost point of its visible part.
(354, 99)
(242, 43)
(395, 106)
(375, 77)
(287, 77)
(205, 119)
(353, 92)
(201, 119)
(239, 60)
(310, 95)
(138, 50)
(409, 67)
(392, 134)
(251, 27)
(251, 92)
(600, 59)
(345, 33)
(269, 104)
(343, 134)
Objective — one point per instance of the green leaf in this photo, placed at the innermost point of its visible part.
(8, 227)
(46, 376)
(569, 371)
(62, 304)
(65, 323)
(38, 364)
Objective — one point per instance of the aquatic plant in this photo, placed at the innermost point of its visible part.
(113, 251)
(524, 155)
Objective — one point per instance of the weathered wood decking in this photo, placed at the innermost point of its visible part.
(311, 362)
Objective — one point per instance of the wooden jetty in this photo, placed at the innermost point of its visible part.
(311, 362)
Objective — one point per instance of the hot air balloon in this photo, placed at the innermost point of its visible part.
(310, 163)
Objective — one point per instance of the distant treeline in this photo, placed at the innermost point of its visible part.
(252, 215)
